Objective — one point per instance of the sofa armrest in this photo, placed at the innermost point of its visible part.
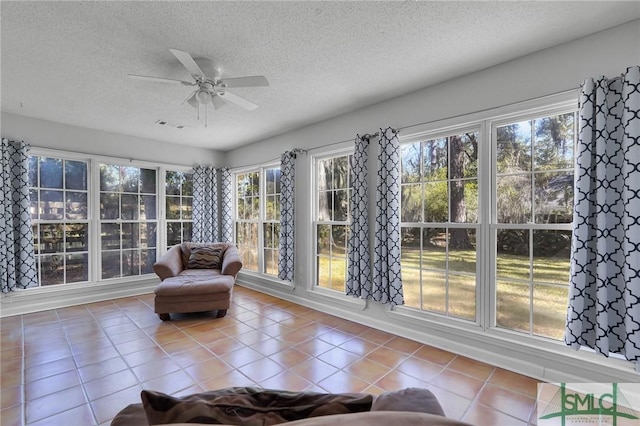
(170, 264)
(231, 262)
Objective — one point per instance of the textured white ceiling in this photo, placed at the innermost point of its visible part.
(67, 61)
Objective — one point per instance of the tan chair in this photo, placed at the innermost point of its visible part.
(201, 289)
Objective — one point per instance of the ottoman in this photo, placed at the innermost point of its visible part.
(188, 293)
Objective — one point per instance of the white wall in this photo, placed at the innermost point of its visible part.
(547, 72)
(47, 134)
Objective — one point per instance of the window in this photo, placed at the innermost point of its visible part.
(258, 219)
(60, 215)
(128, 220)
(439, 202)
(331, 221)
(179, 206)
(533, 203)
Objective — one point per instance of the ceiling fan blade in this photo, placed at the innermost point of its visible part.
(252, 81)
(187, 60)
(217, 102)
(191, 99)
(235, 99)
(160, 79)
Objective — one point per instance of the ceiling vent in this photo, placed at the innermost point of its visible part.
(168, 124)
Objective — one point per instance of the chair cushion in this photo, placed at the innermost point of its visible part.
(188, 285)
(187, 247)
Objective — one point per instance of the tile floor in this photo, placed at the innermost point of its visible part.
(81, 365)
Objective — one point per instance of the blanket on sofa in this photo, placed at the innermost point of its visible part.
(249, 406)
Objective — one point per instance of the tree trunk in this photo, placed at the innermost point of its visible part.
(459, 238)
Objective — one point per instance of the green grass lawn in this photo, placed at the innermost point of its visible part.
(531, 300)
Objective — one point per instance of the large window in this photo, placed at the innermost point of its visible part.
(331, 221)
(60, 217)
(439, 199)
(128, 220)
(179, 206)
(532, 228)
(258, 219)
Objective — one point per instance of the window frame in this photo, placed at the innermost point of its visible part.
(162, 201)
(315, 221)
(262, 220)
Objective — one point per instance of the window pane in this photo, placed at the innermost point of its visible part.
(129, 207)
(550, 310)
(340, 172)
(109, 206)
(187, 185)
(186, 231)
(76, 205)
(130, 263)
(514, 198)
(34, 204)
(554, 197)
(51, 238)
(52, 269)
(173, 207)
(130, 179)
(411, 287)
(77, 237)
(110, 264)
(173, 182)
(436, 199)
(147, 259)
(470, 156)
(411, 202)
(434, 248)
(513, 147)
(513, 253)
(339, 240)
(148, 181)
(410, 248)
(551, 256)
(435, 159)
(462, 296)
(51, 173)
(33, 171)
(462, 250)
(174, 233)
(51, 205)
(464, 201)
(77, 268)
(340, 205)
(75, 175)
(109, 177)
(410, 154)
(110, 236)
(513, 309)
(554, 142)
(325, 175)
(148, 207)
(187, 208)
(434, 286)
(323, 239)
(325, 199)
(130, 235)
(148, 233)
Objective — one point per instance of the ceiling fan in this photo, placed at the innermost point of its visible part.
(210, 89)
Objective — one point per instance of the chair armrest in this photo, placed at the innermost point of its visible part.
(231, 262)
(170, 264)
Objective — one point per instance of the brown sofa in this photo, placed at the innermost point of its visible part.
(256, 406)
(196, 277)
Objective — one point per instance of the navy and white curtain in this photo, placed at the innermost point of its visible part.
(387, 279)
(604, 289)
(286, 253)
(359, 271)
(205, 204)
(17, 257)
(226, 205)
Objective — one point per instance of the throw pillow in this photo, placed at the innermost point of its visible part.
(206, 257)
(409, 399)
(248, 406)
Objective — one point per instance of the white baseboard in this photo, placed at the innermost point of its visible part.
(546, 361)
(54, 297)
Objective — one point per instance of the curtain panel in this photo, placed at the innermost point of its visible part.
(387, 279)
(286, 251)
(205, 204)
(226, 205)
(604, 289)
(359, 270)
(17, 254)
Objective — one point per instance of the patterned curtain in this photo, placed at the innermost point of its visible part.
(387, 280)
(205, 204)
(286, 253)
(226, 205)
(604, 289)
(17, 257)
(359, 272)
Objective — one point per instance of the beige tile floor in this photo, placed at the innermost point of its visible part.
(81, 365)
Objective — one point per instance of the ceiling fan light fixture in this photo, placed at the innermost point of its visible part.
(203, 97)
